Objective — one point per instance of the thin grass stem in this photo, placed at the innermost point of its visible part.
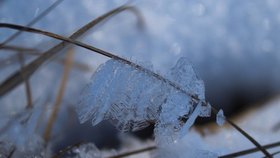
(57, 104)
(15, 79)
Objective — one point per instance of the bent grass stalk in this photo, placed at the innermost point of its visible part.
(15, 79)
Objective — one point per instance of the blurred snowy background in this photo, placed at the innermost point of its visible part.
(233, 45)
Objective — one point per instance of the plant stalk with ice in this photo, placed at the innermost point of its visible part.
(132, 99)
(205, 108)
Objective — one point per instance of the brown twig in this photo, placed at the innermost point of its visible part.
(78, 65)
(15, 79)
(57, 104)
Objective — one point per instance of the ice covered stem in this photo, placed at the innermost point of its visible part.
(191, 119)
(112, 56)
(132, 98)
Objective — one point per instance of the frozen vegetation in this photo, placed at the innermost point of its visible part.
(131, 99)
(233, 46)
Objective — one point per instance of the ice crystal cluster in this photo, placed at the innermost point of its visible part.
(132, 99)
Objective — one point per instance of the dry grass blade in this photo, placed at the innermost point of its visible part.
(134, 152)
(149, 72)
(249, 151)
(78, 65)
(40, 16)
(56, 107)
(15, 79)
(26, 83)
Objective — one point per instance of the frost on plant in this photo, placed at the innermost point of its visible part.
(132, 99)
(220, 118)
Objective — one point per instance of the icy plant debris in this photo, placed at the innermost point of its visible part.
(220, 118)
(132, 99)
(88, 150)
(184, 75)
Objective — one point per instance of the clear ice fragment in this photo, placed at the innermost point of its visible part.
(184, 75)
(220, 118)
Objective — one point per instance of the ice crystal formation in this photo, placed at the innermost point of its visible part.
(132, 99)
(220, 118)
